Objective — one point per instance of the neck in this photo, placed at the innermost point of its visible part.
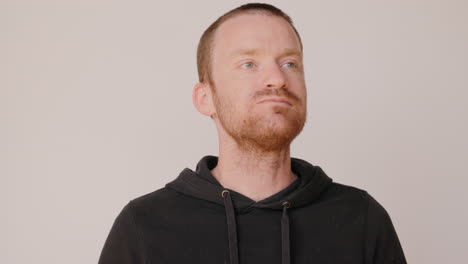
(254, 174)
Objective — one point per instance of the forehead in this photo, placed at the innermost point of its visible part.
(264, 33)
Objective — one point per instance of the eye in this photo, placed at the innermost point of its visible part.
(248, 65)
(291, 64)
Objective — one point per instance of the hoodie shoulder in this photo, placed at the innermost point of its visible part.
(162, 197)
(382, 244)
(126, 241)
(341, 191)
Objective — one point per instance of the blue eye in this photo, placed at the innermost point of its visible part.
(248, 65)
(291, 64)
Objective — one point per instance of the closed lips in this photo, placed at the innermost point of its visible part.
(279, 100)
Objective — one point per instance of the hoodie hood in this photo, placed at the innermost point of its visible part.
(310, 183)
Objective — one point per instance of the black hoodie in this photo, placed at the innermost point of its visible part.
(193, 219)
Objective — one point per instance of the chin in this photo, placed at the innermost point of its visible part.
(281, 122)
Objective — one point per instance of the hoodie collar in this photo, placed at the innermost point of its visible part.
(311, 181)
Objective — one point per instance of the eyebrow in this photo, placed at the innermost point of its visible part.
(252, 52)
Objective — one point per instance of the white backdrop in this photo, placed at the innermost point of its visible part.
(96, 110)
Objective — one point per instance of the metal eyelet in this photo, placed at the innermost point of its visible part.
(222, 194)
(288, 204)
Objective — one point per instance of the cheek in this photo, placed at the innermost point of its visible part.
(227, 100)
(236, 92)
(297, 85)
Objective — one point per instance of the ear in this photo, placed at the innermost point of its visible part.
(202, 99)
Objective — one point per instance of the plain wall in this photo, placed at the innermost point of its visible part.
(96, 110)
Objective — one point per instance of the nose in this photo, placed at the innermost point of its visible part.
(274, 77)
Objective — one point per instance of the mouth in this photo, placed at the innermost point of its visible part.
(276, 101)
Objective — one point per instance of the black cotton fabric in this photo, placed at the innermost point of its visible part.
(193, 219)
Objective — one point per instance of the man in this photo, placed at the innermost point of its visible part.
(253, 203)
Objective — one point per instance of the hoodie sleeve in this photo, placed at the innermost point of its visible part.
(382, 243)
(122, 245)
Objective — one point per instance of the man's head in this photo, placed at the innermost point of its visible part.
(205, 45)
(251, 54)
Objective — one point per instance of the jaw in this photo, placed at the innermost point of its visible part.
(261, 135)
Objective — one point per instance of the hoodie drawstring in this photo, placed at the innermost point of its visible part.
(285, 253)
(232, 230)
(231, 226)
